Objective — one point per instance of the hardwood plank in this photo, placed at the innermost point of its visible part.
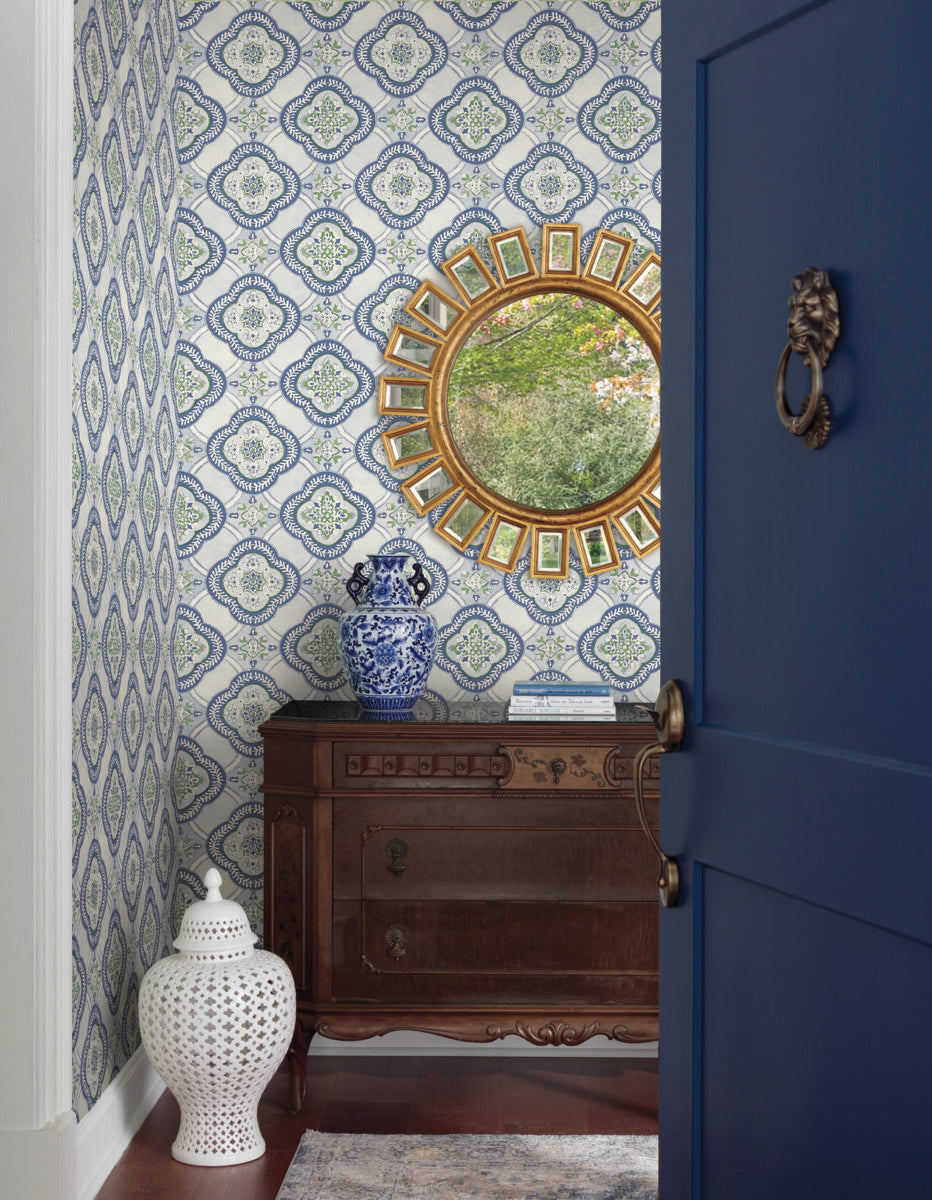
(386, 1094)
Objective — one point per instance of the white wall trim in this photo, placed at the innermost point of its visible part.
(109, 1127)
(52, 623)
(410, 1043)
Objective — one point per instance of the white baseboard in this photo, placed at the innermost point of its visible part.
(108, 1128)
(39, 1164)
(428, 1043)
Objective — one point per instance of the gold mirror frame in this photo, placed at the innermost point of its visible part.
(428, 353)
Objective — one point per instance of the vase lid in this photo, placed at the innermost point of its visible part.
(214, 926)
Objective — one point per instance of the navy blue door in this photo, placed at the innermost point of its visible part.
(796, 973)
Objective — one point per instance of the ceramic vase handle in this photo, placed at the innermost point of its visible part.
(419, 582)
(356, 582)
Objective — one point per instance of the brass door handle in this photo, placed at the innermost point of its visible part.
(669, 719)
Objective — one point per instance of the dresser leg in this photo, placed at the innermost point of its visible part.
(297, 1066)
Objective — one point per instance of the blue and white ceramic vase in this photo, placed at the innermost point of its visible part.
(387, 645)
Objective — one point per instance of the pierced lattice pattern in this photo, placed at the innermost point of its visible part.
(216, 1028)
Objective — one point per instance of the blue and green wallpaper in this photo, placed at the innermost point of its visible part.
(258, 188)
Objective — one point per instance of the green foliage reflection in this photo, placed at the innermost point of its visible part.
(554, 401)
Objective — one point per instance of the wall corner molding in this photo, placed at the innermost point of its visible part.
(108, 1128)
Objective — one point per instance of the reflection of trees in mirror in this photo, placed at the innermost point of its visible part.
(554, 401)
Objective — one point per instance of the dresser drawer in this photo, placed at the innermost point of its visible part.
(388, 765)
(570, 768)
(503, 863)
(605, 953)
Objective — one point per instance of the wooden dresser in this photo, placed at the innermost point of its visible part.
(468, 879)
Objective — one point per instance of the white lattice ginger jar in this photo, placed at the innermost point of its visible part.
(216, 1021)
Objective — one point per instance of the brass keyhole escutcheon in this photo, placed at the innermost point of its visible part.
(396, 851)
(557, 766)
(396, 942)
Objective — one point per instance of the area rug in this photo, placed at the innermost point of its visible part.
(351, 1166)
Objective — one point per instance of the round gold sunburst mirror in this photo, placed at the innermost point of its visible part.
(531, 401)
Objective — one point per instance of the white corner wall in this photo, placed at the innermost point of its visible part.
(37, 1127)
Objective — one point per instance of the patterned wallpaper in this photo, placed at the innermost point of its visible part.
(259, 187)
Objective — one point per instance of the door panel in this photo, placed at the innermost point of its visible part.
(796, 974)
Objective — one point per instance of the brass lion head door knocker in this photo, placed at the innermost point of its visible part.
(813, 327)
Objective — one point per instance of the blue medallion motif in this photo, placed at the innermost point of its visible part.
(133, 124)
(253, 449)
(370, 453)
(165, 164)
(253, 54)
(196, 779)
(78, 645)
(630, 222)
(111, 153)
(95, 728)
(78, 299)
(327, 120)
(237, 712)
(196, 648)
(550, 185)
(114, 962)
(476, 120)
(93, 392)
(113, 646)
(401, 53)
(93, 561)
(94, 64)
(253, 318)
(95, 1058)
(327, 516)
(312, 648)
(476, 648)
(132, 571)
(550, 54)
(113, 487)
(94, 229)
(164, 302)
(113, 322)
(78, 129)
(165, 577)
(196, 515)
(131, 420)
(327, 251)
(402, 185)
(625, 15)
(196, 250)
(113, 803)
(149, 215)
(149, 646)
(475, 14)
(376, 316)
(549, 601)
(327, 383)
(115, 20)
(624, 120)
(624, 647)
(253, 582)
(132, 721)
(78, 472)
(196, 119)
(237, 845)
(189, 13)
(132, 268)
(149, 71)
(195, 383)
(131, 873)
(253, 185)
(327, 14)
(468, 228)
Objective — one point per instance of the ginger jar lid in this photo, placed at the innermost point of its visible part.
(214, 927)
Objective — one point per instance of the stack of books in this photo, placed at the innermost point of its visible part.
(533, 700)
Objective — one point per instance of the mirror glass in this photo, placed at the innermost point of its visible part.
(554, 401)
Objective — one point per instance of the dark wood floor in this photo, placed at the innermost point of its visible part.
(399, 1095)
